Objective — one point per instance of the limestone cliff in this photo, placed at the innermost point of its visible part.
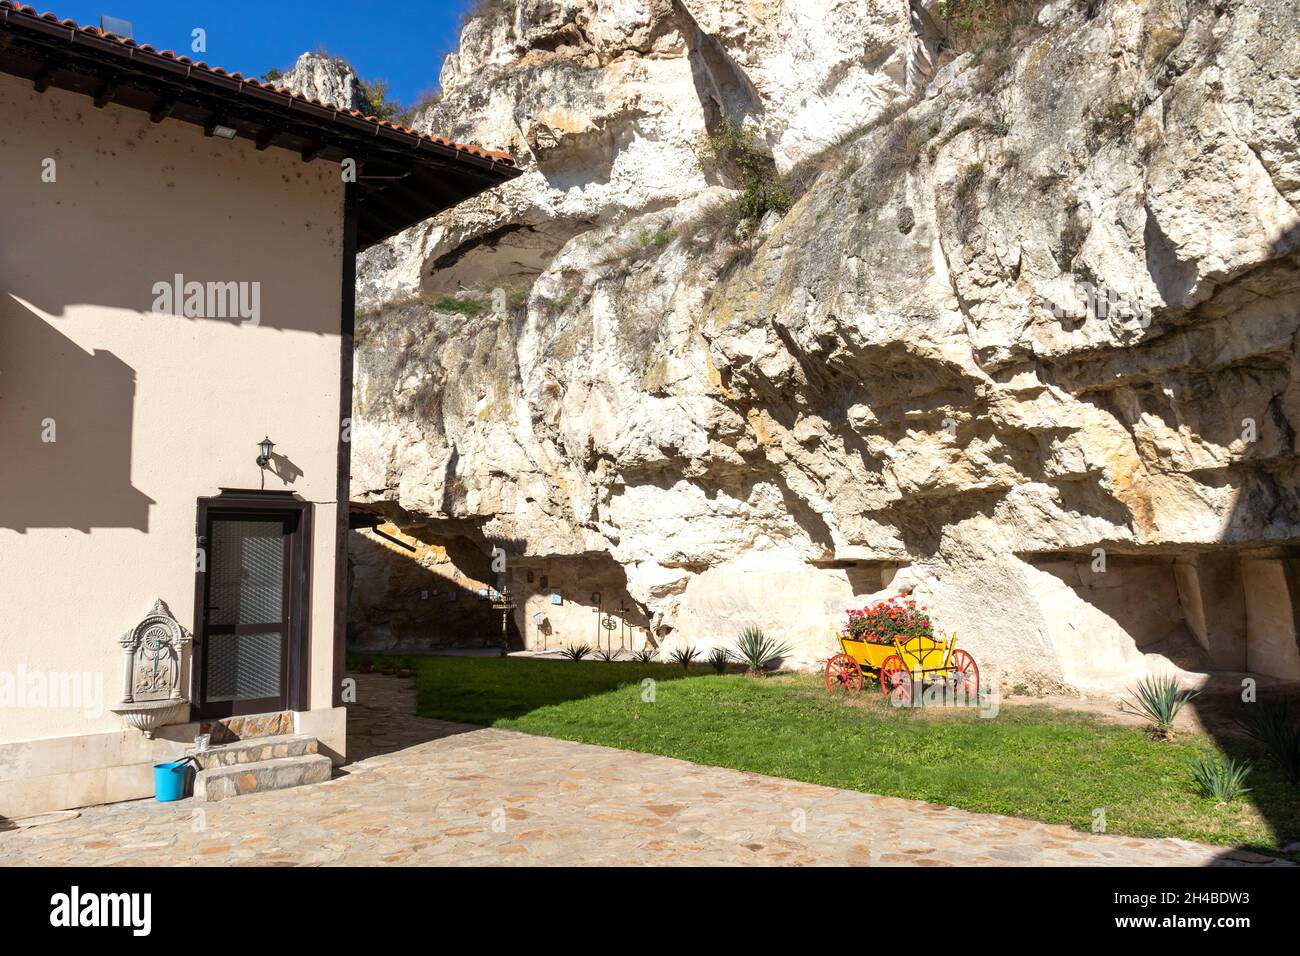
(1030, 328)
(320, 76)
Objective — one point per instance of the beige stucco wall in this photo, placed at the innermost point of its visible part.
(152, 411)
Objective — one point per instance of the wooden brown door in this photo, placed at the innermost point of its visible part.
(251, 641)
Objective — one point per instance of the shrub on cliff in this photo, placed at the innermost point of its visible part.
(979, 24)
(761, 189)
(487, 8)
(376, 101)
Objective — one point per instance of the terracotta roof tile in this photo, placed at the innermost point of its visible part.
(495, 156)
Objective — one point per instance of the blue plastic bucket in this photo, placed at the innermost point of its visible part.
(171, 780)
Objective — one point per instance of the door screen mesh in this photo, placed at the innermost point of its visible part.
(245, 587)
(243, 666)
(246, 572)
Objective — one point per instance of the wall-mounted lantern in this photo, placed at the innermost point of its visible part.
(265, 446)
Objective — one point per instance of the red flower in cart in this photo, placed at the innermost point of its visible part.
(883, 622)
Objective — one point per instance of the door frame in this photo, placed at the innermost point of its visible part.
(243, 503)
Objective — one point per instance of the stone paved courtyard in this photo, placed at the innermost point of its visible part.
(429, 792)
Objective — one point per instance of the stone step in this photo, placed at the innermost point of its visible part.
(281, 773)
(256, 749)
(227, 730)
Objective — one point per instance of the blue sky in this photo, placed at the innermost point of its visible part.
(401, 41)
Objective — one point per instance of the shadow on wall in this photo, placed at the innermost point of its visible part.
(110, 220)
(104, 237)
(283, 469)
(724, 89)
(1229, 605)
(594, 606)
(1137, 596)
(1250, 599)
(403, 600)
(1249, 619)
(66, 429)
(1231, 611)
(250, 294)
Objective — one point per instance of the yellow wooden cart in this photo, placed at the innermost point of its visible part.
(900, 664)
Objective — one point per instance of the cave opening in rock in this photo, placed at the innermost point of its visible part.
(410, 590)
(424, 585)
(1114, 616)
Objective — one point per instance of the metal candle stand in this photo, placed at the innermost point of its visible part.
(505, 604)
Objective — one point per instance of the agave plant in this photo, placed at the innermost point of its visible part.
(684, 656)
(1272, 725)
(645, 656)
(758, 650)
(719, 658)
(1221, 780)
(1159, 699)
(607, 656)
(576, 652)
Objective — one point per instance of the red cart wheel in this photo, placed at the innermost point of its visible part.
(843, 674)
(966, 675)
(896, 680)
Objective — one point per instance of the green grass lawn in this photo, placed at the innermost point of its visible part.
(1028, 761)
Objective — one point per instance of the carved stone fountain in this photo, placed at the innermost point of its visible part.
(152, 655)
